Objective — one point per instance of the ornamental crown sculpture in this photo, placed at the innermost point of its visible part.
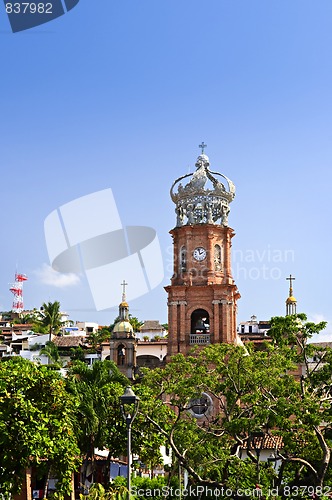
(198, 204)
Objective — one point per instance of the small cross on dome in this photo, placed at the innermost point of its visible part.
(202, 146)
(291, 278)
(124, 284)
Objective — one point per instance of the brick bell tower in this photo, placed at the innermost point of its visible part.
(202, 296)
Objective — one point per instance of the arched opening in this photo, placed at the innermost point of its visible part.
(148, 361)
(121, 355)
(183, 260)
(217, 258)
(200, 321)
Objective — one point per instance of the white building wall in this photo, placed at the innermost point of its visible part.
(87, 326)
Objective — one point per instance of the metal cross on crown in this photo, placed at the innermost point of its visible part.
(202, 146)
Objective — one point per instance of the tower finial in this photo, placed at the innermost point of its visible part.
(291, 300)
(291, 278)
(202, 146)
(124, 284)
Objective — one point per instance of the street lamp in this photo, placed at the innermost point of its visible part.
(273, 460)
(127, 401)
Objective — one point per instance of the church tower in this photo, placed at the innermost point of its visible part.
(202, 296)
(123, 340)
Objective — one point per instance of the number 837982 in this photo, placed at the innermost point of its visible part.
(29, 8)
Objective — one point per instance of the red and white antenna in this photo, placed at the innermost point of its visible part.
(17, 289)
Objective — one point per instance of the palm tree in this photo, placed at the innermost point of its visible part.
(97, 338)
(49, 319)
(51, 351)
(97, 390)
(135, 323)
(98, 492)
(133, 320)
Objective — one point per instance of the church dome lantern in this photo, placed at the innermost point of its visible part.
(123, 327)
(291, 301)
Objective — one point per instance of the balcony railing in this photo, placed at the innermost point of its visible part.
(199, 338)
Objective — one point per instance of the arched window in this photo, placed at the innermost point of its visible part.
(217, 258)
(148, 361)
(183, 260)
(200, 321)
(121, 355)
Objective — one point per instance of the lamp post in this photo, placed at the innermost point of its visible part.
(257, 442)
(128, 401)
(272, 460)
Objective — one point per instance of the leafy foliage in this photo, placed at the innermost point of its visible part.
(97, 390)
(97, 338)
(49, 319)
(252, 392)
(99, 492)
(77, 353)
(133, 320)
(283, 392)
(135, 323)
(51, 351)
(37, 422)
(146, 439)
(25, 317)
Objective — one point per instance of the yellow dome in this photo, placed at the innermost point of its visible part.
(123, 304)
(291, 300)
(123, 327)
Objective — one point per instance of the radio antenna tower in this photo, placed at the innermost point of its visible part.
(17, 289)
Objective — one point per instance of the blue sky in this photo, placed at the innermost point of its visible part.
(120, 93)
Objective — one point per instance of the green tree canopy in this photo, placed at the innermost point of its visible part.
(246, 393)
(37, 421)
(100, 422)
(97, 390)
(97, 338)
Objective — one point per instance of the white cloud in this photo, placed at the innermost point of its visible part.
(48, 276)
(321, 337)
(326, 334)
(317, 318)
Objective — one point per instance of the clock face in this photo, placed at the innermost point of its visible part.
(199, 253)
